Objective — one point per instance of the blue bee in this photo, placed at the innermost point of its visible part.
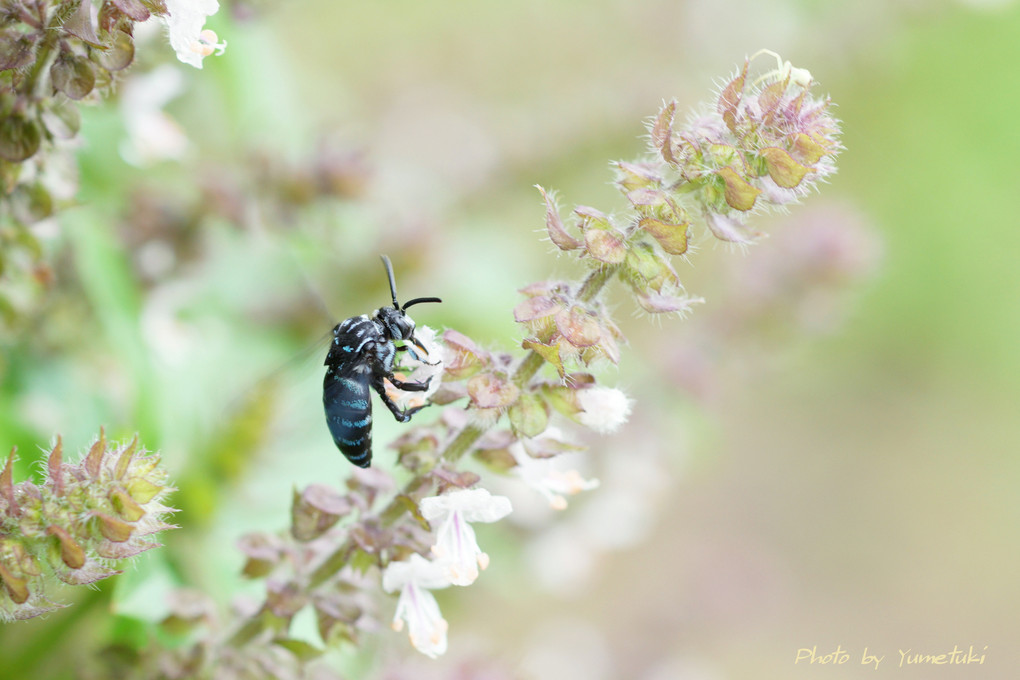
(361, 356)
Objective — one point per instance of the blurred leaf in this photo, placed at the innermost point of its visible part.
(62, 118)
(299, 648)
(80, 23)
(118, 54)
(73, 76)
(19, 138)
(15, 49)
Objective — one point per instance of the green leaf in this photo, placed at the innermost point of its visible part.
(551, 353)
(304, 651)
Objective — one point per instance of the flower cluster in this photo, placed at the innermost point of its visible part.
(78, 524)
(53, 55)
(766, 142)
(456, 561)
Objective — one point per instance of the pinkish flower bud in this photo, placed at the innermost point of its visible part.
(492, 390)
(112, 528)
(673, 238)
(740, 194)
(315, 510)
(462, 357)
(557, 232)
(71, 553)
(578, 326)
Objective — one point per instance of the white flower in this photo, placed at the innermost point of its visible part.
(605, 408)
(456, 547)
(185, 21)
(421, 368)
(426, 626)
(547, 477)
(550, 476)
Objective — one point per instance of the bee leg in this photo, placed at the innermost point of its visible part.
(410, 386)
(402, 415)
(414, 355)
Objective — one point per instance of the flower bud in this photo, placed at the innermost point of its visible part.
(578, 326)
(73, 76)
(673, 238)
(740, 194)
(20, 138)
(492, 390)
(529, 415)
(554, 225)
(71, 553)
(126, 506)
(783, 170)
(315, 510)
(112, 528)
(462, 357)
(605, 245)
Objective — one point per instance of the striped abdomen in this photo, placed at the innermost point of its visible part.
(348, 406)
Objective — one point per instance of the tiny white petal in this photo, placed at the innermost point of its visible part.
(456, 544)
(475, 505)
(426, 626)
(549, 476)
(416, 606)
(185, 21)
(417, 569)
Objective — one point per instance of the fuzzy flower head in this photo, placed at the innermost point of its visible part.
(414, 578)
(185, 23)
(79, 524)
(605, 409)
(766, 141)
(456, 547)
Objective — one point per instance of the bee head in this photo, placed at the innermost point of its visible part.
(398, 324)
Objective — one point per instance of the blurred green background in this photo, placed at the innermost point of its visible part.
(854, 487)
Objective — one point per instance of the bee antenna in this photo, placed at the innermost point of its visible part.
(421, 299)
(393, 285)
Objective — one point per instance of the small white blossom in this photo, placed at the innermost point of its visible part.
(187, 37)
(421, 368)
(414, 578)
(456, 547)
(549, 477)
(605, 408)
